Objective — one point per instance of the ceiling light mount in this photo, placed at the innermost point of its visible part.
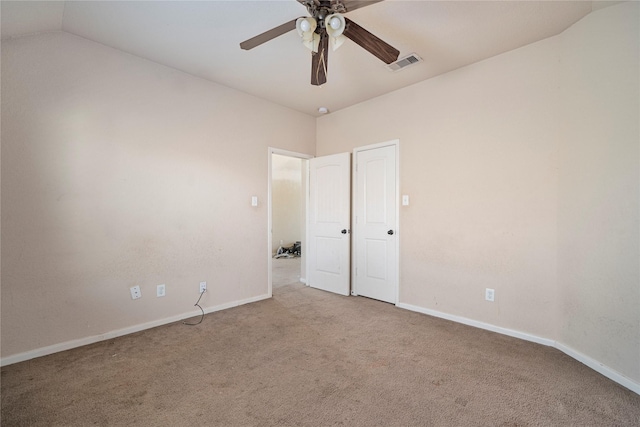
(321, 9)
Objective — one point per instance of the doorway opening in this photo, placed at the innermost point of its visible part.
(363, 263)
(288, 184)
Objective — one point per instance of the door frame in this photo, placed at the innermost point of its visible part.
(354, 203)
(287, 153)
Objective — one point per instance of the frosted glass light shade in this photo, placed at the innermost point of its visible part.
(306, 28)
(335, 25)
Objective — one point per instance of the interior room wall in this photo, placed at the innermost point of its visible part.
(287, 201)
(117, 172)
(513, 167)
(478, 162)
(599, 189)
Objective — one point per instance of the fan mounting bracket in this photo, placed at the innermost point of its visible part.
(320, 9)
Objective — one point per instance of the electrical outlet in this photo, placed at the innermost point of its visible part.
(135, 292)
(489, 294)
(203, 287)
(161, 290)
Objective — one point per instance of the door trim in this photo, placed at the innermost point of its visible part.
(354, 200)
(281, 152)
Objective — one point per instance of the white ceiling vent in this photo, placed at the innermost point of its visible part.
(404, 62)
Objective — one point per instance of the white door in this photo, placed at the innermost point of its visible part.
(329, 219)
(375, 205)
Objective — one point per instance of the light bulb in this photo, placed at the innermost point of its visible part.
(335, 23)
(305, 26)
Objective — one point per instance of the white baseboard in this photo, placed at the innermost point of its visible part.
(68, 345)
(588, 361)
(487, 326)
(600, 368)
(592, 363)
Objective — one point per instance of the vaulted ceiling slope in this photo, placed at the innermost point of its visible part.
(202, 38)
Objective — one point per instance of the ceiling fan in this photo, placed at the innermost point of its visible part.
(327, 25)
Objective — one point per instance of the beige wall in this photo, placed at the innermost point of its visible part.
(599, 189)
(119, 172)
(523, 177)
(477, 159)
(287, 200)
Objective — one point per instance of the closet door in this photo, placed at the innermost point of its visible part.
(375, 229)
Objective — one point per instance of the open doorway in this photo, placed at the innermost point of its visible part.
(288, 185)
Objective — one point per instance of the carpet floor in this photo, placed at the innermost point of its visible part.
(311, 358)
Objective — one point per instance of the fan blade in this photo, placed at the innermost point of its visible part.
(319, 61)
(351, 5)
(268, 35)
(384, 51)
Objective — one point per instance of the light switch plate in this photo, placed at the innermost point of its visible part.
(489, 294)
(405, 200)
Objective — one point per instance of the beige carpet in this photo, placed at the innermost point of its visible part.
(285, 271)
(310, 358)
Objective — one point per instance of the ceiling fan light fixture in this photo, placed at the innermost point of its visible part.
(306, 28)
(335, 25)
(313, 43)
(335, 22)
(336, 42)
(326, 25)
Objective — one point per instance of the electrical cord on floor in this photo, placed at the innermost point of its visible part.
(197, 304)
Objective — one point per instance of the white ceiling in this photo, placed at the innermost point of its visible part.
(202, 38)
